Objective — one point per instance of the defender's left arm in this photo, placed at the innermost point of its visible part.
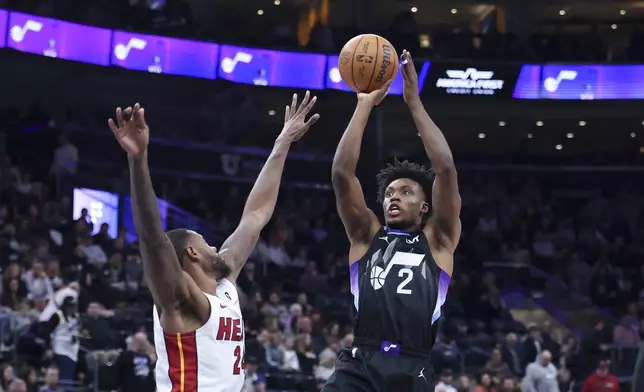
(263, 197)
(445, 224)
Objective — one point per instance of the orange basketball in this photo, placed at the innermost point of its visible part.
(367, 62)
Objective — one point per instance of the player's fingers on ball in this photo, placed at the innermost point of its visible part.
(286, 113)
(142, 114)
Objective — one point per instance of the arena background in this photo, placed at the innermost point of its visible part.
(540, 102)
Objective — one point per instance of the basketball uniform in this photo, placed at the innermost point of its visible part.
(210, 359)
(398, 291)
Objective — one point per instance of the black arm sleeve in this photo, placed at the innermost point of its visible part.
(49, 326)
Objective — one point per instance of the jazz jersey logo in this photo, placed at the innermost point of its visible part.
(379, 274)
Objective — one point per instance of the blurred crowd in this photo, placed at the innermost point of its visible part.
(280, 30)
(64, 273)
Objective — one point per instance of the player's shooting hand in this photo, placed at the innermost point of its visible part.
(295, 124)
(377, 96)
(132, 134)
(410, 78)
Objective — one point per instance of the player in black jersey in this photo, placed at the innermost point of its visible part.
(399, 272)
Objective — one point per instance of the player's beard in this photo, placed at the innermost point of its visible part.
(220, 270)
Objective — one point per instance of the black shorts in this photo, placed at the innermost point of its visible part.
(359, 370)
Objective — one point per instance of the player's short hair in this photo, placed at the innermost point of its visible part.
(180, 239)
(422, 174)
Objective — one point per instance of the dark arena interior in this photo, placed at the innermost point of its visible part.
(541, 102)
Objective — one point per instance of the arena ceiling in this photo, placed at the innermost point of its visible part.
(443, 12)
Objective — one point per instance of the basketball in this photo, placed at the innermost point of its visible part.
(367, 62)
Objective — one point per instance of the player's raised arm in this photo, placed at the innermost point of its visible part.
(359, 221)
(446, 200)
(263, 197)
(162, 271)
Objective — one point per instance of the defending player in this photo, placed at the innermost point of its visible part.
(198, 328)
(400, 272)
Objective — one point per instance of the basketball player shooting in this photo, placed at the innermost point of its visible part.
(400, 272)
(198, 328)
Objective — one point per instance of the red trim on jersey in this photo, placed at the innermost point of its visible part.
(182, 360)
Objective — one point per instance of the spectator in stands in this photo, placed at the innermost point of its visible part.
(446, 382)
(496, 367)
(52, 307)
(63, 332)
(541, 375)
(602, 380)
(311, 280)
(254, 381)
(51, 380)
(7, 375)
(626, 332)
(510, 353)
(464, 384)
(275, 351)
(291, 362)
(102, 238)
(485, 384)
(65, 164)
(532, 346)
(12, 296)
(28, 374)
(508, 385)
(135, 368)
(17, 385)
(326, 366)
(38, 283)
(305, 354)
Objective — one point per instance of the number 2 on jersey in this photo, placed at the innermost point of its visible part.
(240, 360)
(408, 274)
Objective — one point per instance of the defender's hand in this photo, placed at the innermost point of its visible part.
(377, 96)
(410, 78)
(133, 135)
(295, 125)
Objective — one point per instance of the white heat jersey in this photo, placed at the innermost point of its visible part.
(210, 359)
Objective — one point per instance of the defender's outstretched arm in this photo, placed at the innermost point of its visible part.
(263, 197)
(162, 270)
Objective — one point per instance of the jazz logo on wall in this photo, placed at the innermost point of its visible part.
(18, 33)
(228, 65)
(552, 84)
(122, 51)
(470, 81)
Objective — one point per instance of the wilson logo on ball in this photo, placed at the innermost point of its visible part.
(386, 62)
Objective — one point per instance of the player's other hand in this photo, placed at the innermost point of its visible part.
(375, 97)
(132, 134)
(410, 78)
(295, 123)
